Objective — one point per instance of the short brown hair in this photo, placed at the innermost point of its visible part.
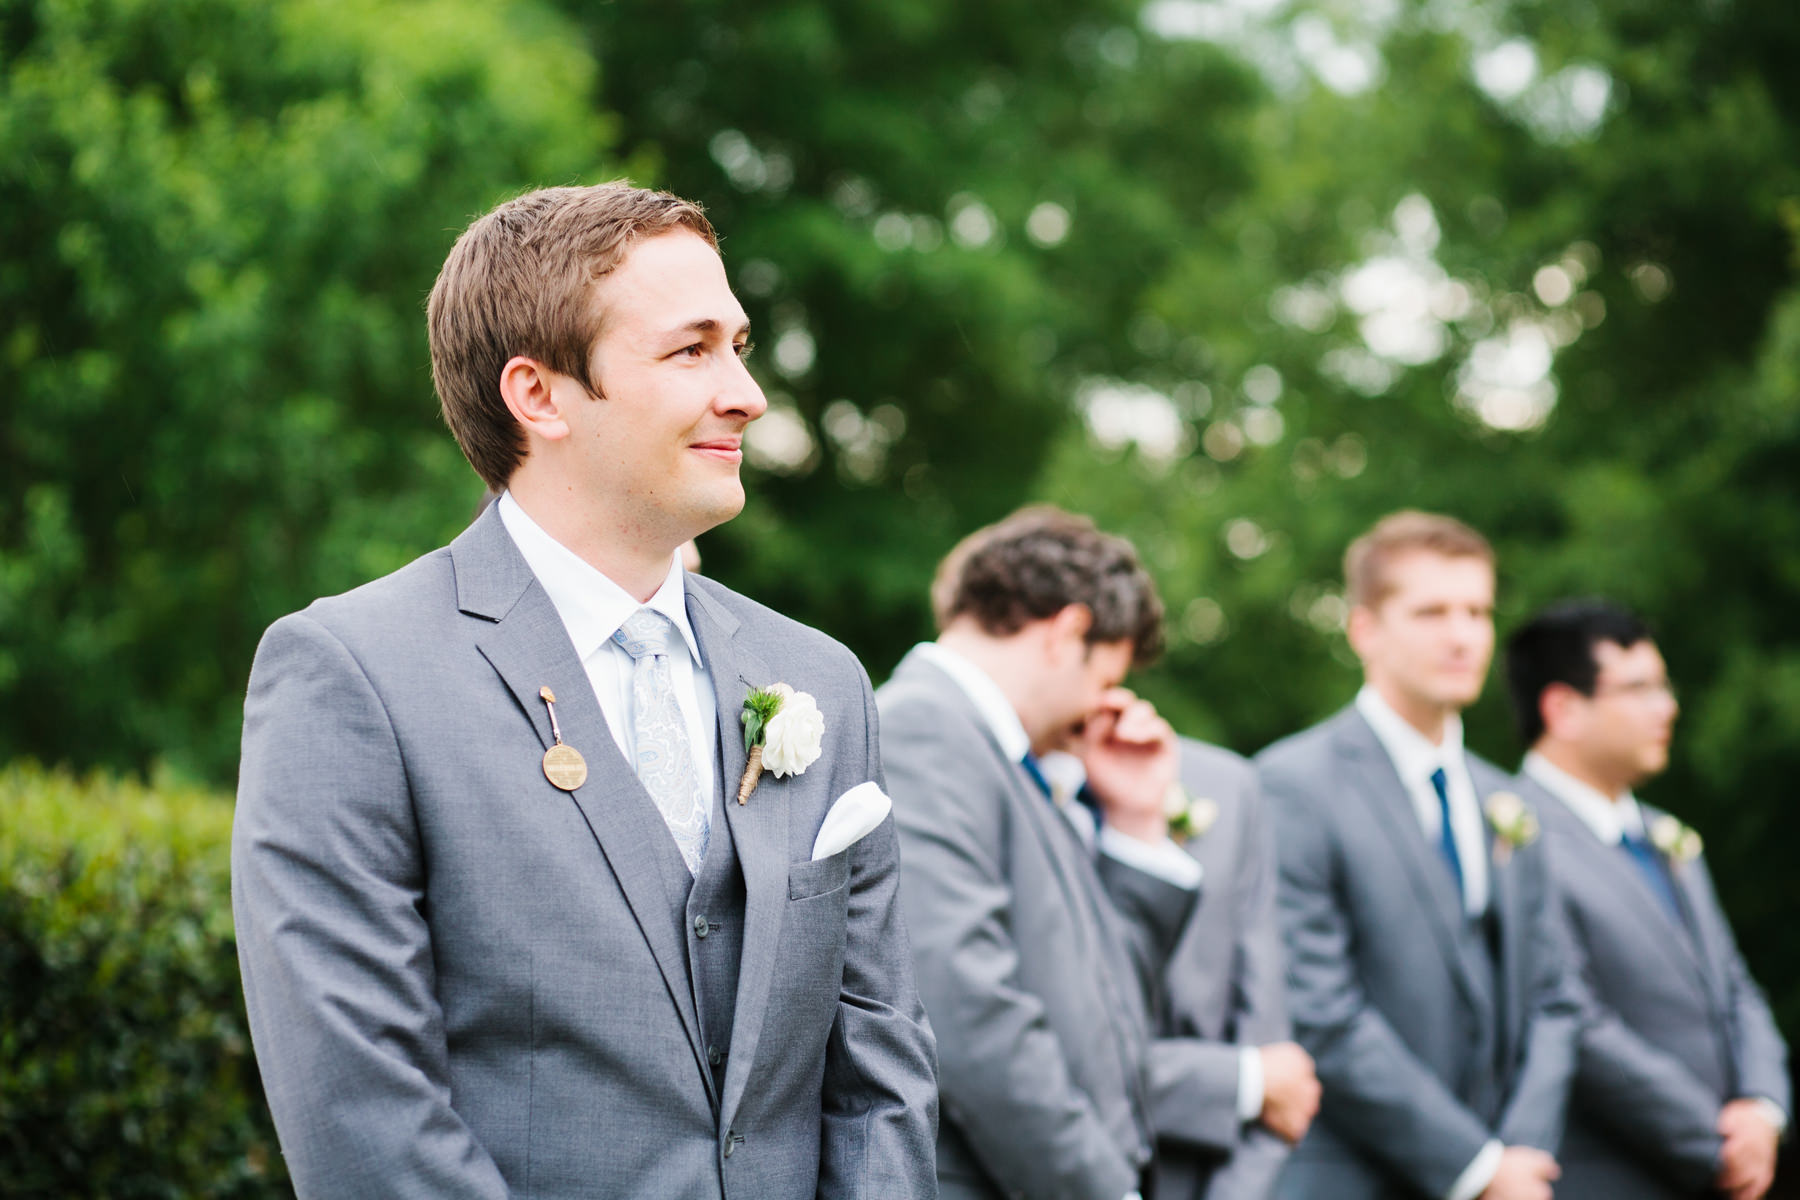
(1366, 562)
(520, 281)
(1040, 560)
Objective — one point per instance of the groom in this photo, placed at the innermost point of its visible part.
(505, 923)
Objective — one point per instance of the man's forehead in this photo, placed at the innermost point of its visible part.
(1418, 572)
(671, 283)
(1615, 658)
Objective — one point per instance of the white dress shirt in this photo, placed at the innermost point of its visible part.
(592, 608)
(1611, 820)
(1415, 758)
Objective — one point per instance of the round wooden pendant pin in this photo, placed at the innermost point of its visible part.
(563, 765)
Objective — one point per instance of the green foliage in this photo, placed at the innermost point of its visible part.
(759, 706)
(128, 1065)
(222, 218)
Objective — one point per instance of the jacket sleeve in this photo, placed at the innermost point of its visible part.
(327, 888)
(1378, 1095)
(880, 1099)
(1005, 1081)
(1760, 1052)
(1538, 1105)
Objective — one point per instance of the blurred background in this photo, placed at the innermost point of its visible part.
(1234, 276)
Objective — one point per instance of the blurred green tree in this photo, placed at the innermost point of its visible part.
(222, 218)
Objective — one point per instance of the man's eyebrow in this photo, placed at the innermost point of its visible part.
(703, 325)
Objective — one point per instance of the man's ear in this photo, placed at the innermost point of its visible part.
(1069, 628)
(1556, 704)
(1359, 628)
(528, 387)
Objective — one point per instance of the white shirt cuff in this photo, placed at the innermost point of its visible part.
(1250, 1083)
(1478, 1174)
(1164, 859)
(1777, 1116)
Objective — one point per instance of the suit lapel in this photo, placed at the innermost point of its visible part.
(1371, 774)
(529, 648)
(759, 828)
(1626, 883)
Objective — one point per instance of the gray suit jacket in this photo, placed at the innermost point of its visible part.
(1674, 1026)
(1028, 973)
(1224, 984)
(463, 982)
(1390, 991)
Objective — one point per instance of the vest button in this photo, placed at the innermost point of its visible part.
(714, 1055)
(701, 927)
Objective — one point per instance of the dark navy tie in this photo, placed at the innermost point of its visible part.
(1030, 763)
(1440, 783)
(1650, 865)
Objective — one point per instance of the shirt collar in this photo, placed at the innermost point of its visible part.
(996, 710)
(592, 607)
(1611, 820)
(1415, 758)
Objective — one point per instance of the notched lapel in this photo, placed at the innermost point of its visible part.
(759, 828)
(529, 649)
(1372, 775)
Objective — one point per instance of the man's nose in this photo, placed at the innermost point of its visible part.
(741, 393)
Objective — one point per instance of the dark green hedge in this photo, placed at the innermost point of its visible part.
(125, 1062)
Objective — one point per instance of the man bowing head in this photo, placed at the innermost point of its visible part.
(516, 912)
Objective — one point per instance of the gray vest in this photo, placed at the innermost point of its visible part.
(708, 910)
(1481, 1083)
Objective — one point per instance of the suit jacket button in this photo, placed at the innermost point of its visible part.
(732, 1141)
(701, 927)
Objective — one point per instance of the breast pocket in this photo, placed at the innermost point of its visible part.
(820, 877)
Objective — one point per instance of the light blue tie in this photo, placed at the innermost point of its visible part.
(661, 755)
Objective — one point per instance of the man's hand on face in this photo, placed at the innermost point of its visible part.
(1525, 1173)
(1290, 1090)
(1747, 1159)
(1131, 757)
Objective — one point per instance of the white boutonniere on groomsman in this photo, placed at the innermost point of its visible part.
(784, 732)
(1515, 825)
(1677, 842)
(1190, 816)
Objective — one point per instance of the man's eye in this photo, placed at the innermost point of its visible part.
(744, 349)
(693, 351)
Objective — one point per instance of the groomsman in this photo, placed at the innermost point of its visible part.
(1682, 1084)
(1223, 986)
(1423, 972)
(1030, 978)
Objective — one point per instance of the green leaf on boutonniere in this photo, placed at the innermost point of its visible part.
(760, 705)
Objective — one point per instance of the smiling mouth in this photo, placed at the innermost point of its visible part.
(724, 449)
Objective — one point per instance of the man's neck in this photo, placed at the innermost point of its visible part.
(1564, 758)
(635, 559)
(995, 657)
(1429, 719)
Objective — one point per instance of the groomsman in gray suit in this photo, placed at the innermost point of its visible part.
(508, 922)
(1423, 970)
(1223, 986)
(1033, 982)
(1681, 1090)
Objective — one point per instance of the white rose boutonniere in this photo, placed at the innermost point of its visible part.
(784, 732)
(1676, 841)
(1515, 825)
(1190, 816)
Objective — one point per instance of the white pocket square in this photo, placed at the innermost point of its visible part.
(852, 818)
